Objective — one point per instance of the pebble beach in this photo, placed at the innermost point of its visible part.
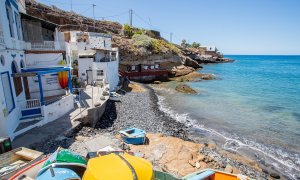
(140, 110)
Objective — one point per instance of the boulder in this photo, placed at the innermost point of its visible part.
(203, 165)
(181, 70)
(228, 168)
(183, 88)
(192, 63)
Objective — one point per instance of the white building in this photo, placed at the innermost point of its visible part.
(97, 60)
(30, 91)
(11, 60)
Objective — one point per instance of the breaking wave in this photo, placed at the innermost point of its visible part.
(287, 163)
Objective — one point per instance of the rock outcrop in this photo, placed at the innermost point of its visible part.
(181, 157)
(183, 88)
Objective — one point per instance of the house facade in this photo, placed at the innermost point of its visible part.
(97, 61)
(12, 59)
(35, 82)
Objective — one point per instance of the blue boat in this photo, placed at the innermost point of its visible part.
(58, 173)
(133, 136)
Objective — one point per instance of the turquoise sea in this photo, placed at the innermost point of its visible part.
(253, 108)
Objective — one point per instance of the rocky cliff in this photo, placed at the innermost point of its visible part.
(141, 47)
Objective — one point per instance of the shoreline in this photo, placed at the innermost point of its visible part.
(141, 110)
(180, 130)
(246, 150)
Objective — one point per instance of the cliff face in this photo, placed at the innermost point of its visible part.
(141, 47)
(163, 52)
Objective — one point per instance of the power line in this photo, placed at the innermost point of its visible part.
(110, 16)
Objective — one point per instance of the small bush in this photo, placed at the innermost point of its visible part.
(142, 41)
(127, 30)
(139, 31)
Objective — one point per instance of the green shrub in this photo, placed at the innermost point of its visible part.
(127, 30)
(142, 41)
(139, 31)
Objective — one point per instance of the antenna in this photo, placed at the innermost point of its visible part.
(130, 17)
(94, 14)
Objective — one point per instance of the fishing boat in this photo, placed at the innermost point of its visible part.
(133, 136)
(118, 166)
(61, 160)
(113, 96)
(210, 174)
(17, 159)
(30, 171)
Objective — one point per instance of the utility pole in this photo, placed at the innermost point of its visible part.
(171, 35)
(150, 23)
(94, 15)
(72, 5)
(130, 17)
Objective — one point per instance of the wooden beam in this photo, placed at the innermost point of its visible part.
(25, 74)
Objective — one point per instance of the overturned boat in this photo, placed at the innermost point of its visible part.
(133, 136)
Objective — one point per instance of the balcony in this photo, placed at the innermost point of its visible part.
(45, 45)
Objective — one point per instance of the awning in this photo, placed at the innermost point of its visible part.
(45, 23)
(87, 53)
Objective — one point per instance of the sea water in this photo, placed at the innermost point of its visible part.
(253, 105)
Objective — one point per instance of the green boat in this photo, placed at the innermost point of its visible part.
(159, 175)
(63, 159)
(65, 156)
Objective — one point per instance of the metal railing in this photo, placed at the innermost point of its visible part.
(30, 104)
(49, 45)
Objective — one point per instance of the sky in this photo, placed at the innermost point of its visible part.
(269, 27)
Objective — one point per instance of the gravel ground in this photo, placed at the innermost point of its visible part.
(139, 110)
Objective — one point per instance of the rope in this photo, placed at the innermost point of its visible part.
(130, 167)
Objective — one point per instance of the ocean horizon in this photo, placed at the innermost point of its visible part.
(252, 107)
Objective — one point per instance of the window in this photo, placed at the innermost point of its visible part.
(18, 25)
(152, 67)
(22, 64)
(156, 66)
(10, 18)
(133, 68)
(8, 95)
(17, 80)
(2, 60)
(145, 67)
(100, 73)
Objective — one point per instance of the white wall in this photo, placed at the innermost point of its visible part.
(9, 123)
(95, 40)
(83, 65)
(43, 60)
(12, 43)
(110, 70)
(50, 82)
(57, 109)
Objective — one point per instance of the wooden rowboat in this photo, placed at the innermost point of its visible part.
(17, 159)
(30, 172)
(133, 136)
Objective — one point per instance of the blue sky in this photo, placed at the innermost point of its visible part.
(234, 26)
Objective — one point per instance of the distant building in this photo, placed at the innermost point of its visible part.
(97, 61)
(211, 50)
(145, 72)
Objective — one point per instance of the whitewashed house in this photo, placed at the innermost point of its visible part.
(31, 53)
(12, 59)
(97, 60)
